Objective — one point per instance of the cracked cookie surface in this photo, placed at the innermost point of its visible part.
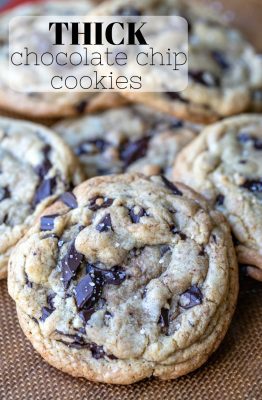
(224, 71)
(225, 164)
(133, 138)
(125, 278)
(35, 167)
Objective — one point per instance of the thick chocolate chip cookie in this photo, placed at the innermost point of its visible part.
(127, 139)
(225, 164)
(125, 278)
(35, 167)
(225, 74)
(46, 104)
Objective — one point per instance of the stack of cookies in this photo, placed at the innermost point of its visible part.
(122, 225)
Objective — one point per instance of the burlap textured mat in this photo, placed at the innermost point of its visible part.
(234, 372)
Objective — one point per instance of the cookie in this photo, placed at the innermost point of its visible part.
(125, 278)
(35, 167)
(225, 164)
(224, 71)
(134, 139)
(48, 104)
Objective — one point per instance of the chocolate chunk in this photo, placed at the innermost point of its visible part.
(81, 106)
(128, 12)
(44, 190)
(175, 124)
(220, 200)
(46, 165)
(204, 78)
(113, 276)
(4, 193)
(99, 202)
(85, 315)
(47, 222)
(176, 96)
(87, 147)
(178, 232)
(171, 186)
(220, 59)
(88, 290)
(254, 186)
(46, 312)
(70, 264)
(50, 300)
(245, 137)
(27, 281)
(105, 224)
(164, 249)
(97, 351)
(258, 144)
(136, 213)
(164, 318)
(69, 200)
(133, 150)
(191, 297)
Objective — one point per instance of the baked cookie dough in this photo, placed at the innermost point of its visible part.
(125, 278)
(225, 164)
(127, 139)
(225, 74)
(35, 167)
(47, 104)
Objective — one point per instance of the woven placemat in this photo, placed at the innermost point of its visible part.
(232, 373)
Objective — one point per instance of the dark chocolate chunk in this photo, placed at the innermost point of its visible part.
(178, 232)
(69, 200)
(81, 106)
(133, 150)
(4, 193)
(244, 137)
(70, 264)
(99, 202)
(128, 12)
(191, 297)
(164, 318)
(220, 59)
(97, 351)
(47, 222)
(113, 276)
(45, 189)
(175, 124)
(176, 96)
(220, 200)
(27, 281)
(88, 290)
(258, 144)
(105, 224)
(171, 186)
(136, 213)
(87, 147)
(164, 249)
(85, 315)
(46, 165)
(46, 312)
(204, 78)
(254, 186)
(50, 300)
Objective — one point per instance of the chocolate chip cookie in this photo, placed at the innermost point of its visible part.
(224, 71)
(125, 278)
(35, 167)
(127, 139)
(47, 104)
(225, 164)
